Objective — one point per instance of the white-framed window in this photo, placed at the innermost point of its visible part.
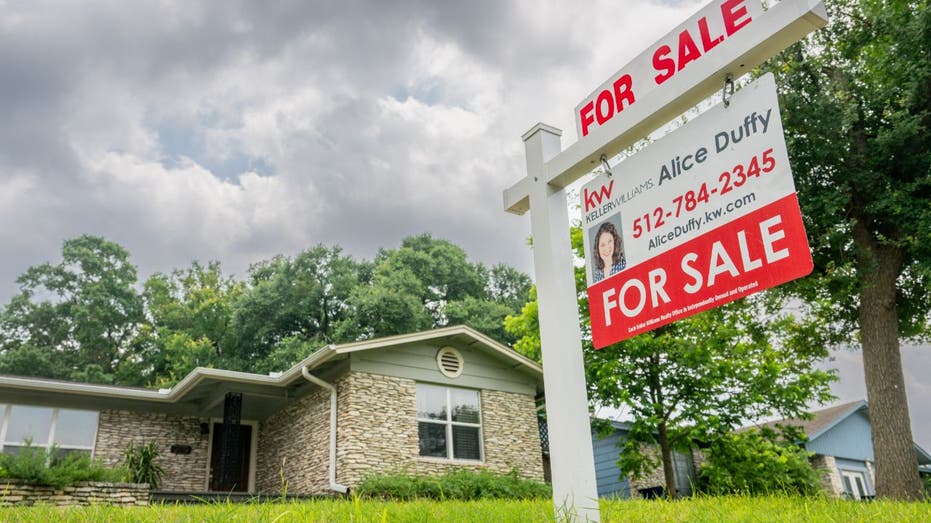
(854, 484)
(449, 423)
(67, 429)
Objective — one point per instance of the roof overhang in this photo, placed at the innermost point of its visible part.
(202, 391)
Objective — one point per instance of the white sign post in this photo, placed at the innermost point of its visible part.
(725, 38)
(572, 460)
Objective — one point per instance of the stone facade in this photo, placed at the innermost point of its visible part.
(293, 447)
(116, 429)
(14, 493)
(377, 432)
(377, 426)
(869, 471)
(654, 478)
(830, 477)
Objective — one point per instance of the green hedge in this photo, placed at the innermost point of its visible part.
(458, 484)
(39, 466)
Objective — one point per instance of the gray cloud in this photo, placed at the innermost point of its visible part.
(239, 130)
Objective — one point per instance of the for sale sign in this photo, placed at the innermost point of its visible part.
(704, 216)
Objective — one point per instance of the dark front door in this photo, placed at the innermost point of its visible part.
(238, 457)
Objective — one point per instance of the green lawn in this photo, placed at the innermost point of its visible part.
(726, 509)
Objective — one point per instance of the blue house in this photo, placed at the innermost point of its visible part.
(612, 483)
(840, 438)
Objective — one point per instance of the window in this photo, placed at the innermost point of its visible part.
(854, 484)
(449, 422)
(69, 430)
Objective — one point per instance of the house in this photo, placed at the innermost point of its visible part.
(841, 440)
(424, 402)
(611, 482)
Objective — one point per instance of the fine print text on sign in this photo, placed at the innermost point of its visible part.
(704, 216)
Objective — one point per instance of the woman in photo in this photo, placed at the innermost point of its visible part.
(609, 257)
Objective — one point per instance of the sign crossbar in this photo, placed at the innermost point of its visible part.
(781, 26)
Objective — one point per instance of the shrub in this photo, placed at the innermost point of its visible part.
(46, 467)
(457, 484)
(757, 462)
(140, 463)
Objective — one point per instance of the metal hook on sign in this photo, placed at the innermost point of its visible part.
(728, 90)
(606, 165)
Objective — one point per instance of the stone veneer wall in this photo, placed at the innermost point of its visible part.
(13, 493)
(830, 477)
(378, 431)
(654, 478)
(293, 447)
(657, 477)
(116, 429)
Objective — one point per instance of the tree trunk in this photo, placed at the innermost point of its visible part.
(666, 452)
(893, 446)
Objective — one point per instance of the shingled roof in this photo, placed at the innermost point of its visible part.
(823, 419)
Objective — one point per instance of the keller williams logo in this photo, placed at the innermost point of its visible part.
(594, 199)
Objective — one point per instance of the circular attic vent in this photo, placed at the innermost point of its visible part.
(449, 361)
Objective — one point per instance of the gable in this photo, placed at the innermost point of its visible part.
(417, 361)
(850, 439)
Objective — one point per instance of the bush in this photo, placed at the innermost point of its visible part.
(140, 462)
(755, 462)
(45, 467)
(457, 484)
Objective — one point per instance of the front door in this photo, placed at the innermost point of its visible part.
(240, 454)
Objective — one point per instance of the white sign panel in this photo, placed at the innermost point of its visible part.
(695, 41)
(703, 216)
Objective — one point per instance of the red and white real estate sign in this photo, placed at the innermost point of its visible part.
(704, 216)
(691, 45)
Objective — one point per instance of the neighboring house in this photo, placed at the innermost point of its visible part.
(423, 402)
(611, 482)
(841, 440)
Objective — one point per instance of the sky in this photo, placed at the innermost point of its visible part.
(236, 131)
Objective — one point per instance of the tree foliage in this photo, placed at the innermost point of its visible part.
(697, 379)
(856, 102)
(757, 462)
(84, 320)
(84, 311)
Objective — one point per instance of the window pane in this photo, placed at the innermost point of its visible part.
(76, 428)
(29, 422)
(431, 402)
(12, 450)
(466, 443)
(464, 405)
(847, 488)
(860, 487)
(62, 454)
(432, 439)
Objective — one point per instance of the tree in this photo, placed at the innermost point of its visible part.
(304, 299)
(700, 378)
(429, 282)
(856, 101)
(758, 462)
(81, 315)
(189, 320)
(442, 268)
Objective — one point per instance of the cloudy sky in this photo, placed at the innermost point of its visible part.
(235, 131)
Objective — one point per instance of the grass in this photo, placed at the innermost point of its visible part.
(707, 509)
